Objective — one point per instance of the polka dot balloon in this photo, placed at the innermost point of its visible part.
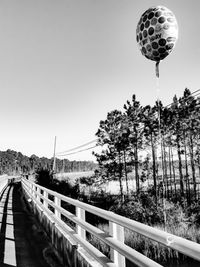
(157, 33)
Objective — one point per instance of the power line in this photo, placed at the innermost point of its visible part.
(54, 156)
(77, 151)
(75, 148)
(194, 94)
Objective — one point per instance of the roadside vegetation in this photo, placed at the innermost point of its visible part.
(159, 149)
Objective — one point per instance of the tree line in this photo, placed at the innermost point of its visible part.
(12, 162)
(159, 144)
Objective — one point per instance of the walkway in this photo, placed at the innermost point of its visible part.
(22, 242)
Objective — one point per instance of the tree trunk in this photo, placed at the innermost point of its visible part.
(125, 170)
(136, 169)
(193, 166)
(180, 165)
(199, 163)
(154, 168)
(187, 173)
(120, 178)
(174, 173)
(170, 169)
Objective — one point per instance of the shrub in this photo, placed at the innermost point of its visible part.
(44, 177)
(141, 208)
(66, 188)
(193, 211)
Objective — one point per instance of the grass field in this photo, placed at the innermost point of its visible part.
(111, 187)
(72, 176)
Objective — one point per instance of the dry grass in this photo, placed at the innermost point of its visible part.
(149, 248)
(72, 176)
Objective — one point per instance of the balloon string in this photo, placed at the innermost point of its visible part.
(157, 69)
(160, 139)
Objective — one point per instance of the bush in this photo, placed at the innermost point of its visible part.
(66, 188)
(141, 208)
(44, 177)
(193, 212)
(88, 181)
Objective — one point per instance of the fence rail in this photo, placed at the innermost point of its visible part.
(50, 202)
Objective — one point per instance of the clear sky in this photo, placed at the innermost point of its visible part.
(65, 63)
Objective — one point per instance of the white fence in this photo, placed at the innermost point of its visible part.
(48, 200)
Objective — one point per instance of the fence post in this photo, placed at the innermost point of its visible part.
(80, 213)
(57, 202)
(38, 192)
(45, 203)
(29, 189)
(35, 193)
(117, 232)
(32, 191)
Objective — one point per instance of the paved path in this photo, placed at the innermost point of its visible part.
(22, 242)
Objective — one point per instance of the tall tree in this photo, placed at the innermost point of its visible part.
(176, 128)
(134, 114)
(150, 130)
(190, 124)
(109, 134)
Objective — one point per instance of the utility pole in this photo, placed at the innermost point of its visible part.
(54, 157)
(63, 165)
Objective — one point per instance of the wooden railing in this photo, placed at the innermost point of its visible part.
(50, 202)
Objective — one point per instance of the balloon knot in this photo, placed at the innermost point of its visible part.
(157, 69)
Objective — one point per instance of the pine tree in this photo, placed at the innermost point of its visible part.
(133, 111)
